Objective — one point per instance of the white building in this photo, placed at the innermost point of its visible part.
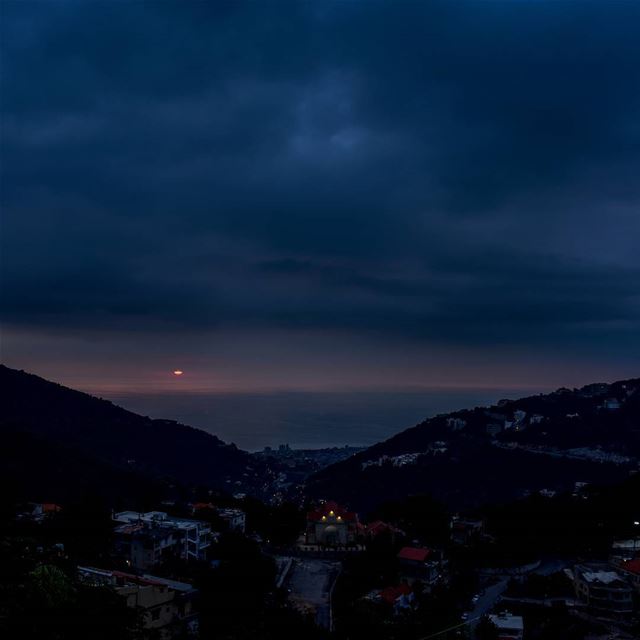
(605, 590)
(509, 627)
(194, 537)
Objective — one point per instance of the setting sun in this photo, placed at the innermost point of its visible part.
(177, 372)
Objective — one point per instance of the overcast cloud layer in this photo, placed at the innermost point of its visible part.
(451, 176)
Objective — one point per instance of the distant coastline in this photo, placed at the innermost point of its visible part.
(310, 420)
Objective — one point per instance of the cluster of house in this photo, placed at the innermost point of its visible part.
(602, 391)
(420, 569)
(594, 454)
(502, 420)
(610, 590)
(332, 527)
(517, 420)
(403, 459)
(594, 390)
(146, 540)
(165, 607)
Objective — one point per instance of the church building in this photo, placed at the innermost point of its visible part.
(331, 525)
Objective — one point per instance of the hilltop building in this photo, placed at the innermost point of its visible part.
(331, 525)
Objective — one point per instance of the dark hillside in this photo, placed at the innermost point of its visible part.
(487, 454)
(100, 431)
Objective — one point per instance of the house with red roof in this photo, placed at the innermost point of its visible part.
(39, 511)
(391, 594)
(202, 506)
(420, 563)
(380, 528)
(413, 555)
(631, 569)
(331, 525)
(400, 597)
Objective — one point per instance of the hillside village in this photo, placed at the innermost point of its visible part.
(583, 435)
(335, 574)
(178, 559)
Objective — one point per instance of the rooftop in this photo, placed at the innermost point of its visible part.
(414, 553)
(391, 594)
(377, 527)
(506, 621)
(632, 566)
(156, 517)
(121, 578)
(599, 574)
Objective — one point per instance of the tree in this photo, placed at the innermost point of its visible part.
(486, 630)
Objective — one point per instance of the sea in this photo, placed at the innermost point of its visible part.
(309, 420)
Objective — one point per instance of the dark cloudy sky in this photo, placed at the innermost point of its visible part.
(321, 195)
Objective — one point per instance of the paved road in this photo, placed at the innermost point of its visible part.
(487, 600)
(309, 582)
